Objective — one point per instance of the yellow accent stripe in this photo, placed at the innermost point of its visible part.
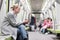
(6, 6)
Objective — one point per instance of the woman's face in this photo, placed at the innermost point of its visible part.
(17, 9)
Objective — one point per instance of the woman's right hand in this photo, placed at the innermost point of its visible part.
(26, 21)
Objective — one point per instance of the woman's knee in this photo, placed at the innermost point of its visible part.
(21, 26)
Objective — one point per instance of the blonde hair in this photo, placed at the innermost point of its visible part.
(15, 6)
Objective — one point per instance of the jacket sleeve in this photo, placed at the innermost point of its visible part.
(12, 20)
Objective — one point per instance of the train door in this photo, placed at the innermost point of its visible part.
(57, 14)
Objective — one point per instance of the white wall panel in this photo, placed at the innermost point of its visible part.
(2, 13)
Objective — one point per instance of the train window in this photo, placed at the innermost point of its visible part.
(1, 3)
(58, 1)
(54, 5)
(7, 5)
(17, 1)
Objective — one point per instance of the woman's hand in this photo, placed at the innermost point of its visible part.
(26, 21)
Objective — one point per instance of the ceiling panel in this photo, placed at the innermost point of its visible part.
(36, 4)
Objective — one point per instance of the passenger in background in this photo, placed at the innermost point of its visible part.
(40, 24)
(33, 22)
(46, 24)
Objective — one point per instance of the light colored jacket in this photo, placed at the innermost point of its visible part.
(9, 25)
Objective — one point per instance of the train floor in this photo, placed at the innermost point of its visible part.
(37, 36)
(40, 36)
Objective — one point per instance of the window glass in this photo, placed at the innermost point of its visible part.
(1, 3)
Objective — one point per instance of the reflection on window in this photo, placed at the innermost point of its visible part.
(17, 1)
(58, 1)
(1, 3)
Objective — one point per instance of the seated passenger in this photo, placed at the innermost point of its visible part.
(11, 27)
(46, 24)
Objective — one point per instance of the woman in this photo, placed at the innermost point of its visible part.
(46, 24)
(10, 26)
